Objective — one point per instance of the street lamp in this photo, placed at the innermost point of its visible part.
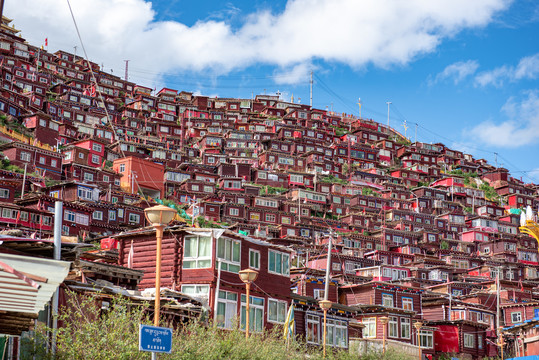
(418, 325)
(325, 305)
(159, 217)
(248, 276)
(384, 320)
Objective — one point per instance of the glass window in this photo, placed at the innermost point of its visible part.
(313, 329)
(469, 341)
(254, 259)
(278, 263)
(256, 313)
(277, 311)
(197, 252)
(228, 251)
(407, 303)
(426, 339)
(393, 327)
(387, 300)
(369, 331)
(405, 328)
(227, 309)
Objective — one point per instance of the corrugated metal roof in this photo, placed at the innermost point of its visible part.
(28, 283)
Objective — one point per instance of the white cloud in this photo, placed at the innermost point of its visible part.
(527, 68)
(379, 32)
(521, 127)
(457, 71)
(297, 74)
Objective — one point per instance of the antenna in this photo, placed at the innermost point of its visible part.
(359, 103)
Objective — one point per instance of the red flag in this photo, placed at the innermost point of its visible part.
(46, 41)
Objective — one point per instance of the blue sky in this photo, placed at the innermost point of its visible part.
(466, 72)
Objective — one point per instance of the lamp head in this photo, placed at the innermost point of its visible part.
(325, 304)
(159, 215)
(248, 275)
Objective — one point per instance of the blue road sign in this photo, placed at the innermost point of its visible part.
(155, 339)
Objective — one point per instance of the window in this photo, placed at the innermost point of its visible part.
(88, 177)
(369, 331)
(228, 251)
(25, 156)
(278, 262)
(84, 193)
(120, 211)
(81, 219)
(407, 303)
(227, 305)
(479, 341)
(276, 311)
(337, 333)
(97, 215)
(387, 300)
(234, 212)
(53, 163)
(405, 328)
(393, 329)
(122, 168)
(95, 159)
(313, 329)
(200, 292)
(4, 193)
(426, 339)
(106, 178)
(112, 215)
(254, 259)
(97, 147)
(256, 313)
(469, 341)
(516, 317)
(197, 252)
(134, 218)
(69, 216)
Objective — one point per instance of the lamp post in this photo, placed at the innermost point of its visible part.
(325, 305)
(384, 320)
(159, 217)
(418, 325)
(248, 276)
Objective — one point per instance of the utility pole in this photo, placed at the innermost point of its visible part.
(311, 89)
(405, 128)
(388, 103)
(359, 104)
(416, 132)
(75, 53)
(496, 159)
(126, 69)
(498, 313)
(24, 180)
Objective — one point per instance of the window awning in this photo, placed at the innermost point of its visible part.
(26, 285)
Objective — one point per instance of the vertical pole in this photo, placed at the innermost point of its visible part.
(419, 343)
(24, 181)
(58, 216)
(311, 103)
(247, 308)
(325, 330)
(415, 132)
(384, 335)
(217, 287)
(328, 269)
(1, 9)
(159, 237)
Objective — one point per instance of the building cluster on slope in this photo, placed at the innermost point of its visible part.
(421, 232)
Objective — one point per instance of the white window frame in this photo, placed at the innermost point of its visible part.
(278, 314)
(405, 328)
(256, 306)
(229, 302)
(254, 259)
(230, 261)
(200, 261)
(469, 341)
(97, 215)
(284, 269)
(369, 331)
